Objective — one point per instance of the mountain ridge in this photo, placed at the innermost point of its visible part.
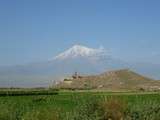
(79, 58)
(80, 51)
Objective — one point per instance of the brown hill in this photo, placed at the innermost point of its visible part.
(113, 80)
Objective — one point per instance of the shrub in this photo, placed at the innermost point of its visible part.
(113, 109)
(100, 109)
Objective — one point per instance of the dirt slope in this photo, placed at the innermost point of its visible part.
(114, 80)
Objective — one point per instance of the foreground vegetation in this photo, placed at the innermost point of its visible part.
(80, 106)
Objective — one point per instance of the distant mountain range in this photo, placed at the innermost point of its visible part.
(118, 80)
(78, 58)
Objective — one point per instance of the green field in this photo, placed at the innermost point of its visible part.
(80, 106)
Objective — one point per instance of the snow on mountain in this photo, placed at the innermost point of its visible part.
(78, 58)
(81, 51)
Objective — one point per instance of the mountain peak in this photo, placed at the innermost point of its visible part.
(78, 46)
(80, 51)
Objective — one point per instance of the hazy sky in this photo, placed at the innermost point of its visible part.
(36, 30)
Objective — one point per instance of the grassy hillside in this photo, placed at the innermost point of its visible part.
(112, 81)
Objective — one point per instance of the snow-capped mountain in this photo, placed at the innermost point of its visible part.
(81, 51)
(78, 58)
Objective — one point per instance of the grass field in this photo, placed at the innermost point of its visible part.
(81, 106)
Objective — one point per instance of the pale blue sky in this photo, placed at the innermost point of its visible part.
(36, 30)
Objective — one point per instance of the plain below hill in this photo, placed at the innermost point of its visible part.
(118, 80)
